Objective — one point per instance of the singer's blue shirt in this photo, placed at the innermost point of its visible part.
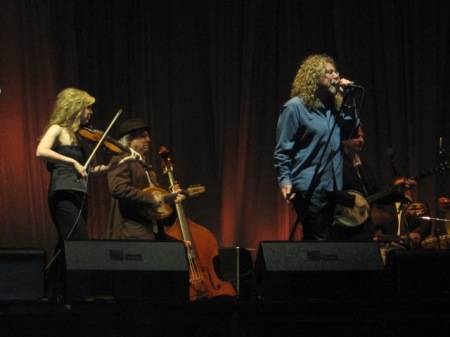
(302, 136)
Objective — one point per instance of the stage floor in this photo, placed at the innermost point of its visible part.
(336, 292)
(228, 317)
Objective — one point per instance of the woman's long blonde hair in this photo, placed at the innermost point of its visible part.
(307, 79)
(69, 106)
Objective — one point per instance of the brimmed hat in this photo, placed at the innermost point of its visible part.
(131, 125)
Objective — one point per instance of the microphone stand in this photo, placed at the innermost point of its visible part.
(402, 208)
(436, 219)
(442, 147)
(438, 238)
(394, 168)
(306, 203)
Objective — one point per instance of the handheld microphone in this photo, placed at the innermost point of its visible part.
(391, 153)
(353, 86)
(348, 86)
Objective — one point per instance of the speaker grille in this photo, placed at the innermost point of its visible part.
(420, 271)
(21, 274)
(147, 270)
(289, 270)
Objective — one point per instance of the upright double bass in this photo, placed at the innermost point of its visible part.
(203, 280)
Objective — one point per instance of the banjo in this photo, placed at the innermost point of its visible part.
(164, 210)
(352, 217)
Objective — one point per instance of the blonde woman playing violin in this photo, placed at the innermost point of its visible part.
(65, 154)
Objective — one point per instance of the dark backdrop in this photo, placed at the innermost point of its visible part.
(210, 78)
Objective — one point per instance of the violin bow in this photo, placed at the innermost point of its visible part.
(102, 139)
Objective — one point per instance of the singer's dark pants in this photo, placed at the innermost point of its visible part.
(315, 214)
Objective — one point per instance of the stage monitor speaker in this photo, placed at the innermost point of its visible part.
(235, 264)
(22, 274)
(297, 270)
(144, 270)
(420, 272)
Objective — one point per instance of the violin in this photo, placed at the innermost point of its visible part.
(110, 144)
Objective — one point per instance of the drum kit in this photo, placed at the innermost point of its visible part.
(440, 241)
(391, 242)
(386, 243)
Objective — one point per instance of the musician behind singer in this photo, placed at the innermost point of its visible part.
(359, 177)
(443, 205)
(403, 219)
(126, 186)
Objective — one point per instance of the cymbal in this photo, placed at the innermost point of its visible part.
(417, 205)
(417, 208)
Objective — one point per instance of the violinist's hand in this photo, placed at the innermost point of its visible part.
(134, 156)
(80, 169)
(286, 192)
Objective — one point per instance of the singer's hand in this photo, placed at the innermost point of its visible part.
(342, 83)
(286, 192)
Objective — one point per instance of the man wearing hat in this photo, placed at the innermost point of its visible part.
(126, 185)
